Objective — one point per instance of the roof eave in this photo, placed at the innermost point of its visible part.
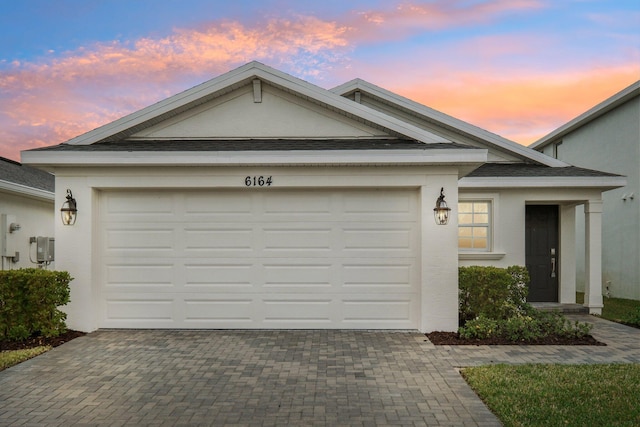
(26, 191)
(49, 160)
(496, 140)
(602, 183)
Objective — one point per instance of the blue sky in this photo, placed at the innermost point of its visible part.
(519, 68)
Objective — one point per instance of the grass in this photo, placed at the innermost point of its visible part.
(560, 395)
(615, 309)
(13, 357)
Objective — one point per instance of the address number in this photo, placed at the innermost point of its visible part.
(258, 181)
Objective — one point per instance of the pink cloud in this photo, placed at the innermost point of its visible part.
(406, 18)
(44, 103)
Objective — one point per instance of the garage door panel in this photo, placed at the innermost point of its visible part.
(140, 240)
(379, 311)
(219, 310)
(298, 238)
(219, 238)
(393, 276)
(290, 311)
(125, 206)
(260, 259)
(307, 204)
(149, 275)
(302, 276)
(378, 239)
(140, 308)
(369, 203)
(220, 276)
(202, 205)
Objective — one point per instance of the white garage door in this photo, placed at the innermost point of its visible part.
(259, 259)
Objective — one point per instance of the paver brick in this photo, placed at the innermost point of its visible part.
(271, 378)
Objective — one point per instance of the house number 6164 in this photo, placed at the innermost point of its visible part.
(258, 181)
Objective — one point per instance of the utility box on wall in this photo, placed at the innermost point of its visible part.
(45, 249)
(8, 241)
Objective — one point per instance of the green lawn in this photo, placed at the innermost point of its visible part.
(13, 357)
(615, 309)
(560, 395)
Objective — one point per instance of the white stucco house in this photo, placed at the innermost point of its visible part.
(607, 138)
(26, 210)
(259, 200)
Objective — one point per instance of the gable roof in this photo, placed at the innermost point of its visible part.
(25, 180)
(625, 95)
(446, 121)
(244, 75)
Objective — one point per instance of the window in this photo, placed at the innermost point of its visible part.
(473, 225)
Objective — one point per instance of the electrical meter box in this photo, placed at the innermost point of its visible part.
(8, 240)
(45, 249)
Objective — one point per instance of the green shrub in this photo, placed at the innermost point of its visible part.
(479, 328)
(493, 292)
(493, 303)
(29, 301)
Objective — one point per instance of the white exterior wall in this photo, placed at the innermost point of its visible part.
(36, 218)
(78, 255)
(611, 143)
(508, 230)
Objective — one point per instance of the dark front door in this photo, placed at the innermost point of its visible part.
(541, 253)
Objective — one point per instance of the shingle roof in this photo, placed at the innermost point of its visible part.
(17, 173)
(257, 145)
(529, 170)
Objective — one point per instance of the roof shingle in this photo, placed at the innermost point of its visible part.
(17, 173)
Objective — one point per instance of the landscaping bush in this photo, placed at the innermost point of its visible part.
(493, 304)
(29, 301)
(492, 292)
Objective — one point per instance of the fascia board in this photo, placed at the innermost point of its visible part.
(251, 70)
(23, 190)
(604, 183)
(226, 158)
(604, 107)
(423, 110)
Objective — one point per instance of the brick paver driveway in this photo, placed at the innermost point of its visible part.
(240, 378)
(271, 378)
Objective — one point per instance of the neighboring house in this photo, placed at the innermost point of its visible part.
(26, 210)
(258, 200)
(607, 137)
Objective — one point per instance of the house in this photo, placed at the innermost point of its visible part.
(259, 200)
(607, 137)
(26, 210)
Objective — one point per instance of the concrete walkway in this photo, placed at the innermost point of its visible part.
(269, 378)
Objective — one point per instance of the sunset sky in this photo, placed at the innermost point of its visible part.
(518, 68)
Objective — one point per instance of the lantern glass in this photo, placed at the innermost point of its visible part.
(69, 210)
(441, 211)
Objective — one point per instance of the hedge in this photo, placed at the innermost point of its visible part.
(493, 292)
(29, 301)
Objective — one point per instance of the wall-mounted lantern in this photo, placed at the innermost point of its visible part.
(441, 211)
(69, 210)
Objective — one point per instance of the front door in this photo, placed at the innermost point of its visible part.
(541, 253)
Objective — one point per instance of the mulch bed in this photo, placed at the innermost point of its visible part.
(37, 341)
(437, 338)
(453, 338)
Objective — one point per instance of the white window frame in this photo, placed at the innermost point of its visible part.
(493, 232)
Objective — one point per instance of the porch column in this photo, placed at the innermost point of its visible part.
(567, 255)
(593, 256)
